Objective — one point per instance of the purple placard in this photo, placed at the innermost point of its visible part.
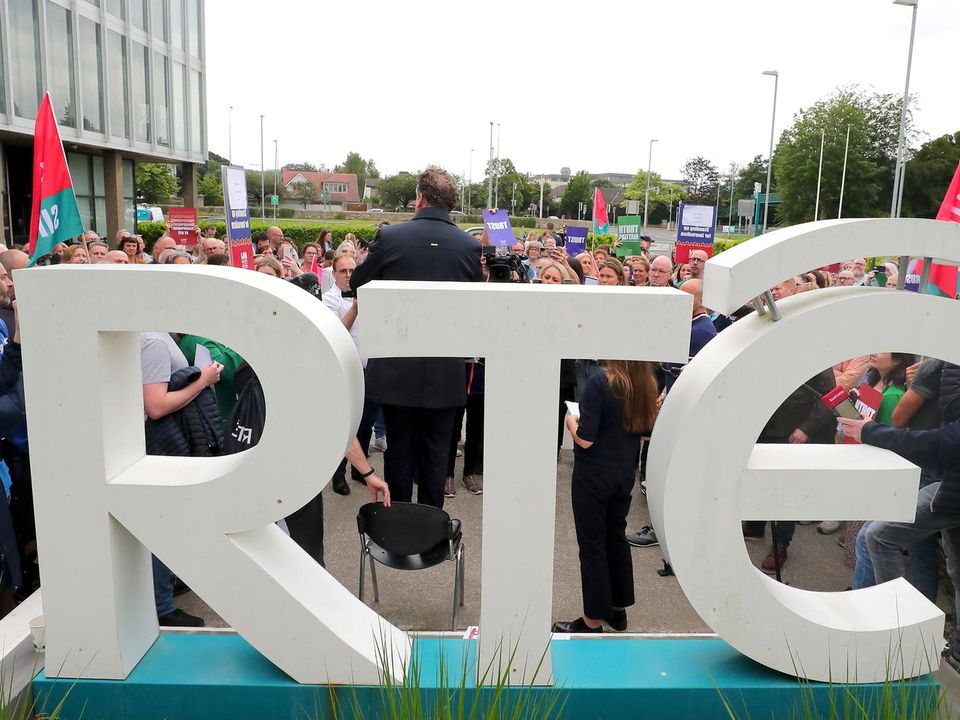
(498, 228)
(576, 240)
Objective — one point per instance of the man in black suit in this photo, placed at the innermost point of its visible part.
(419, 396)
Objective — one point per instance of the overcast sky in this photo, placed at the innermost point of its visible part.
(573, 84)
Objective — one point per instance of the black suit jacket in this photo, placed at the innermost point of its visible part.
(428, 247)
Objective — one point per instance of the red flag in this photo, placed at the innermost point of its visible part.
(600, 222)
(944, 277)
(54, 216)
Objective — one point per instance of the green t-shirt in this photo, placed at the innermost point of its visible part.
(891, 396)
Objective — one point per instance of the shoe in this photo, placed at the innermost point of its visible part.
(828, 527)
(643, 487)
(769, 564)
(618, 620)
(340, 486)
(459, 452)
(179, 618)
(806, 522)
(575, 626)
(449, 488)
(749, 535)
(380, 443)
(646, 537)
(473, 483)
(180, 587)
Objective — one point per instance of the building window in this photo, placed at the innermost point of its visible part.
(196, 114)
(129, 198)
(335, 187)
(193, 26)
(179, 106)
(3, 99)
(91, 83)
(117, 9)
(95, 3)
(63, 96)
(141, 93)
(176, 23)
(119, 75)
(158, 19)
(25, 57)
(138, 14)
(161, 99)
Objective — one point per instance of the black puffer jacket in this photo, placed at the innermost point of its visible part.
(194, 431)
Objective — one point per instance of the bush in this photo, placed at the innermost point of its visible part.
(595, 241)
(300, 234)
(726, 243)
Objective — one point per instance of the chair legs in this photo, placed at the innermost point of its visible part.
(373, 576)
(363, 557)
(457, 586)
(364, 554)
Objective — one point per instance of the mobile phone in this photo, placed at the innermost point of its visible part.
(289, 253)
(348, 293)
(845, 409)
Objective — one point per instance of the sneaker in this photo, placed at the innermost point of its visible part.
(828, 527)
(179, 618)
(380, 443)
(643, 487)
(646, 537)
(473, 483)
(769, 565)
(449, 488)
(459, 452)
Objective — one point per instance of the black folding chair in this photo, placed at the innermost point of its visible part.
(409, 536)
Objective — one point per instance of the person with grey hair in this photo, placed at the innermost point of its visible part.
(177, 257)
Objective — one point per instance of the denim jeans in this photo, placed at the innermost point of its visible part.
(924, 574)
(163, 580)
(884, 539)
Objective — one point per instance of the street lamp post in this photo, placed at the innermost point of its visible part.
(230, 134)
(816, 205)
(646, 193)
(733, 174)
(276, 169)
(773, 120)
(470, 183)
(843, 175)
(897, 180)
(490, 171)
(263, 212)
(716, 218)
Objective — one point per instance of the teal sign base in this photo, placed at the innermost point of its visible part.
(208, 676)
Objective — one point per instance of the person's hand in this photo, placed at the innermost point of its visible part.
(797, 437)
(210, 375)
(378, 487)
(291, 267)
(197, 231)
(852, 428)
(911, 371)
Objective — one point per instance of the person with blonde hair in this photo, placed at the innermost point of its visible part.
(611, 273)
(269, 265)
(75, 255)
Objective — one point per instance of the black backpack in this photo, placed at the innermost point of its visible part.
(246, 421)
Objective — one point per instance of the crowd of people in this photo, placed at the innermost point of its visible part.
(209, 402)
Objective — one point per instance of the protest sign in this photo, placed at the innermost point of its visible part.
(576, 240)
(498, 228)
(238, 217)
(628, 233)
(183, 223)
(695, 229)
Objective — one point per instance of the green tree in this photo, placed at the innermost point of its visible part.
(504, 177)
(701, 178)
(873, 120)
(211, 187)
(579, 190)
(305, 192)
(663, 195)
(358, 166)
(603, 183)
(155, 182)
(397, 190)
(303, 167)
(754, 171)
(928, 175)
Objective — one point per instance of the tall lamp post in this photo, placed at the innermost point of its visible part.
(470, 182)
(263, 212)
(490, 171)
(230, 134)
(773, 120)
(276, 169)
(897, 180)
(646, 193)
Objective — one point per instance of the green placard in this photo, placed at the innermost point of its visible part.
(274, 199)
(628, 232)
(626, 249)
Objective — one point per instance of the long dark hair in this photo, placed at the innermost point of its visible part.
(632, 382)
(896, 377)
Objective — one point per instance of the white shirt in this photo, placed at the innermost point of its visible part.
(339, 305)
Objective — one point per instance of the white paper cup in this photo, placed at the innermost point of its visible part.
(38, 630)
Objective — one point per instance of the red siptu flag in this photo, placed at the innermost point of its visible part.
(600, 222)
(54, 216)
(944, 277)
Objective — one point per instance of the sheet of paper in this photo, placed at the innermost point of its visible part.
(573, 408)
(202, 357)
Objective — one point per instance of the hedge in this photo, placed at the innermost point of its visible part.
(726, 243)
(300, 234)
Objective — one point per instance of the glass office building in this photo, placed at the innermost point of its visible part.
(127, 83)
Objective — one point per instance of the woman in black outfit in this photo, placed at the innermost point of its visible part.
(617, 407)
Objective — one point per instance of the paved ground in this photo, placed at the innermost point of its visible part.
(422, 600)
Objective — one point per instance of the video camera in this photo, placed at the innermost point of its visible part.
(502, 267)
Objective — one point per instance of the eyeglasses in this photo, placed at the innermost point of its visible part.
(699, 261)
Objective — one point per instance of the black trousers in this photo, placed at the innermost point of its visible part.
(418, 450)
(367, 418)
(601, 501)
(306, 528)
(473, 440)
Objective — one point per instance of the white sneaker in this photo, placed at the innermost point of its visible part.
(828, 527)
(380, 443)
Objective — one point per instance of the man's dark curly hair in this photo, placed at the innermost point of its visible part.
(438, 188)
